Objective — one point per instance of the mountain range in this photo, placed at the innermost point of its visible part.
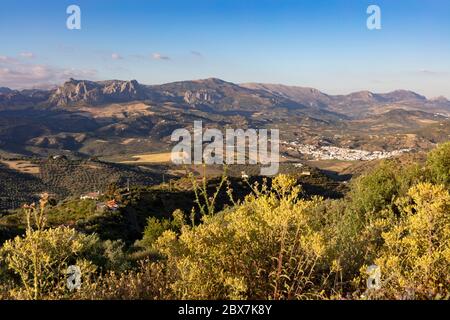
(224, 95)
(113, 117)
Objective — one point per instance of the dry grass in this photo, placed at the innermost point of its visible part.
(427, 121)
(128, 141)
(118, 110)
(151, 158)
(332, 165)
(22, 166)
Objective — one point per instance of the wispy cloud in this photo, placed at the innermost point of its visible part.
(18, 75)
(197, 54)
(159, 56)
(28, 55)
(116, 56)
(428, 72)
(139, 56)
(6, 59)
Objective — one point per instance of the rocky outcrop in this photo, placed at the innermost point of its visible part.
(95, 93)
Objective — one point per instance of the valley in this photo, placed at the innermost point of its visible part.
(85, 135)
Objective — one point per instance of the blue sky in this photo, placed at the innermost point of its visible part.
(318, 43)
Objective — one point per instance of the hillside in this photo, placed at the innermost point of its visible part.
(63, 178)
(159, 238)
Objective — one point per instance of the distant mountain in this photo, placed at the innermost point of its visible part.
(357, 104)
(402, 95)
(15, 98)
(209, 95)
(215, 95)
(440, 99)
(114, 117)
(308, 96)
(397, 117)
(95, 93)
(367, 97)
(315, 97)
(24, 98)
(221, 96)
(4, 90)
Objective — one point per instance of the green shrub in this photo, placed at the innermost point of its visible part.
(156, 227)
(374, 191)
(438, 163)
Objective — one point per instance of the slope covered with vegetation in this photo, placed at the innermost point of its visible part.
(63, 177)
(273, 244)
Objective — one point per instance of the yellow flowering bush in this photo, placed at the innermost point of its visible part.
(415, 259)
(261, 249)
(151, 280)
(40, 260)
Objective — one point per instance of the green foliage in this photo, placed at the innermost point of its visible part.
(379, 188)
(439, 164)
(156, 227)
(115, 256)
(376, 190)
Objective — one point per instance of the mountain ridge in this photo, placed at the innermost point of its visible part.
(110, 91)
(218, 96)
(116, 118)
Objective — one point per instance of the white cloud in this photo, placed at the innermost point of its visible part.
(28, 55)
(159, 56)
(19, 75)
(116, 56)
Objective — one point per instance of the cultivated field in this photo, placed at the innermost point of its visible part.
(22, 166)
(151, 158)
(120, 111)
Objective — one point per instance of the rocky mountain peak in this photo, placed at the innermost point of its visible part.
(94, 93)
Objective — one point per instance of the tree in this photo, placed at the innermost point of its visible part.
(374, 191)
(438, 162)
